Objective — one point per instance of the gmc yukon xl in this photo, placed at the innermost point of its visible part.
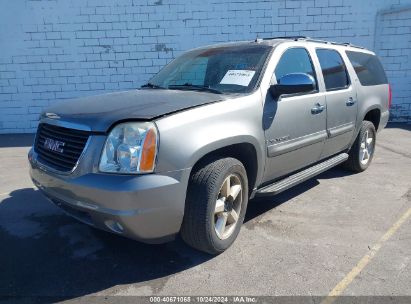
(215, 127)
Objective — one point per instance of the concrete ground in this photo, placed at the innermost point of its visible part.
(302, 242)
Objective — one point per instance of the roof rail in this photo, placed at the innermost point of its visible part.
(352, 45)
(305, 38)
(285, 37)
(334, 43)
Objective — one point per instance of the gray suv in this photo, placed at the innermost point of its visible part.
(215, 127)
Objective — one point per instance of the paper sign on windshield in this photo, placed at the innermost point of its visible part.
(238, 77)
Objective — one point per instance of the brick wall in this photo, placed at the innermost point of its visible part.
(59, 49)
(393, 44)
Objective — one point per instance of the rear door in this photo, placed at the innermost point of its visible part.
(295, 128)
(341, 101)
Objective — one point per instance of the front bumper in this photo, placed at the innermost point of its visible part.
(148, 208)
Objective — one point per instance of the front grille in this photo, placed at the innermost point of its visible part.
(51, 150)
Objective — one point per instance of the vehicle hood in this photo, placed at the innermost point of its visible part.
(100, 112)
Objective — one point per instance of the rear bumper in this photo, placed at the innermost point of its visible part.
(148, 208)
(384, 120)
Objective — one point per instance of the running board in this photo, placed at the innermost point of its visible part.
(301, 176)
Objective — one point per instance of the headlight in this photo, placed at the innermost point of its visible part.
(130, 148)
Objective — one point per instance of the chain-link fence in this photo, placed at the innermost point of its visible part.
(400, 113)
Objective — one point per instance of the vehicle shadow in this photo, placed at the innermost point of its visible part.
(46, 253)
(399, 125)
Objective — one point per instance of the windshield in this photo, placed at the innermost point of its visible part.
(228, 69)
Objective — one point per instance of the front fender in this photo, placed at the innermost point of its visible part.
(187, 136)
(223, 143)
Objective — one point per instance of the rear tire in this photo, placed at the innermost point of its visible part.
(362, 151)
(216, 202)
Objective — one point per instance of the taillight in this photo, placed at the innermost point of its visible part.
(389, 96)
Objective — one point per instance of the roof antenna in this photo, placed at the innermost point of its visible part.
(258, 40)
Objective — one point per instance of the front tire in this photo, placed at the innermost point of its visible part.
(362, 151)
(216, 202)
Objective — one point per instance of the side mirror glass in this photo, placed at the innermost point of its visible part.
(292, 84)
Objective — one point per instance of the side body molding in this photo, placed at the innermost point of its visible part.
(296, 143)
(339, 130)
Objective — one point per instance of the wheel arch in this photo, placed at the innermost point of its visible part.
(245, 151)
(372, 112)
(373, 115)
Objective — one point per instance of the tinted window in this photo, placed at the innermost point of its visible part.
(333, 68)
(295, 60)
(368, 68)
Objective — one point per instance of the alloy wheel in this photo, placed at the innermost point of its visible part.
(228, 206)
(366, 147)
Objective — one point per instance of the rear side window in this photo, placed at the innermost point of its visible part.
(333, 68)
(294, 60)
(368, 68)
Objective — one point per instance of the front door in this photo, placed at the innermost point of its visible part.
(295, 126)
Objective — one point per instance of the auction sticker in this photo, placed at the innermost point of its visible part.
(238, 77)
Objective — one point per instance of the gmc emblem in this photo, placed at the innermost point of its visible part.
(54, 145)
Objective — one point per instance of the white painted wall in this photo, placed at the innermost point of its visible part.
(58, 49)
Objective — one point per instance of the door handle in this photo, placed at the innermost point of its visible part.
(350, 102)
(317, 109)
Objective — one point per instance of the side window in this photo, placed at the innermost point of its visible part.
(368, 68)
(333, 68)
(294, 60)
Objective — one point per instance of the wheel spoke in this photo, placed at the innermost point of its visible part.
(362, 154)
(225, 191)
(369, 141)
(219, 205)
(362, 145)
(234, 191)
(232, 217)
(221, 223)
(366, 154)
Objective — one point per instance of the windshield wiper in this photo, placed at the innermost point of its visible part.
(189, 86)
(151, 86)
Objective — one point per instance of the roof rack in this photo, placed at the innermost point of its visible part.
(305, 38)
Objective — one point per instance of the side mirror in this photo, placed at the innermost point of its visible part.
(293, 83)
